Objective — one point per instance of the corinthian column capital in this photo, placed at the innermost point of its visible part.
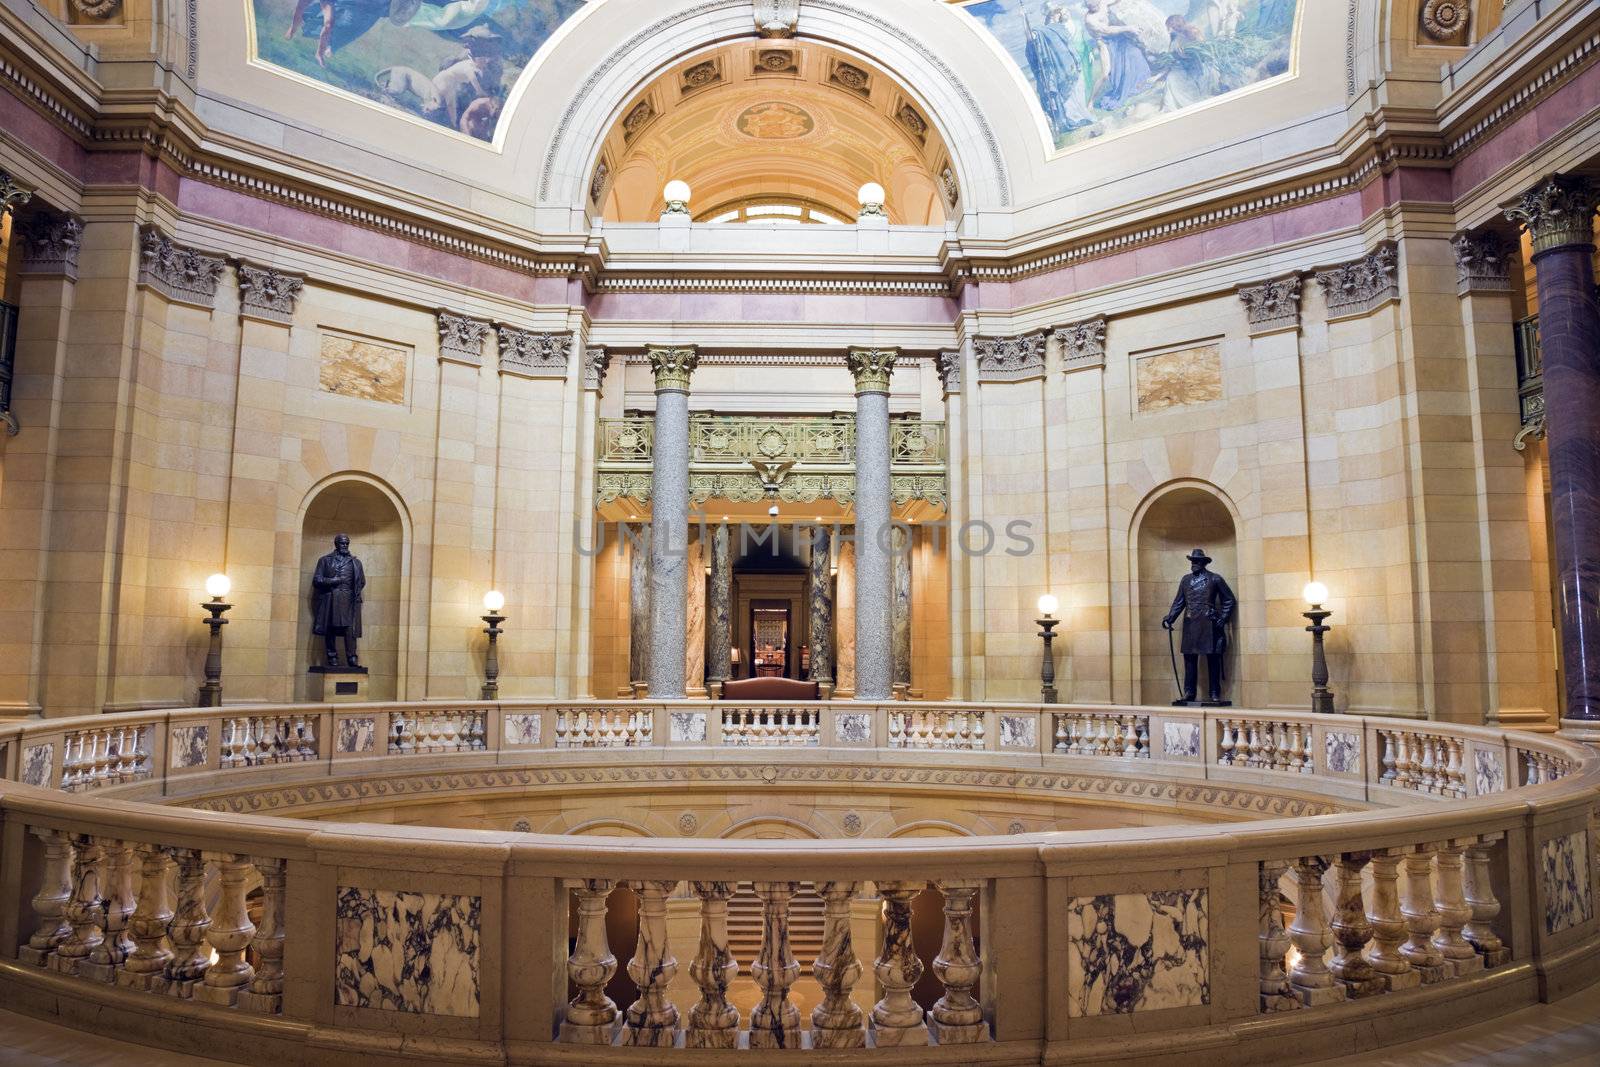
(1558, 211)
(872, 368)
(673, 366)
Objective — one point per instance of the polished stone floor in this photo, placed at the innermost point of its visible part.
(1561, 1035)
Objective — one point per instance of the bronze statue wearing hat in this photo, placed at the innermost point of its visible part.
(338, 583)
(1207, 605)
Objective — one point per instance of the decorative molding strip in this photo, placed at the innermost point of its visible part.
(935, 285)
(461, 338)
(1273, 306)
(1483, 262)
(777, 18)
(1010, 359)
(179, 273)
(596, 361)
(50, 244)
(1528, 93)
(950, 371)
(1363, 285)
(765, 359)
(534, 355)
(45, 99)
(1083, 344)
(268, 294)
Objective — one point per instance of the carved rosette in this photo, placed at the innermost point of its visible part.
(266, 293)
(950, 371)
(1010, 359)
(461, 338)
(50, 244)
(1445, 20)
(1083, 344)
(1557, 212)
(96, 9)
(777, 18)
(596, 361)
(12, 195)
(1363, 285)
(1482, 262)
(177, 272)
(872, 368)
(1274, 305)
(534, 355)
(673, 366)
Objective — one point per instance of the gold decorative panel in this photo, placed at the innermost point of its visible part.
(1179, 379)
(364, 369)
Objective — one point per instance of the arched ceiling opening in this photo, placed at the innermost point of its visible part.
(762, 124)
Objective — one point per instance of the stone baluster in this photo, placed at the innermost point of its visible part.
(148, 961)
(1225, 743)
(1060, 746)
(957, 1017)
(652, 1020)
(118, 906)
(85, 909)
(591, 1016)
(896, 1019)
(776, 1022)
(1276, 995)
(1416, 904)
(229, 934)
(191, 956)
(1479, 883)
(1309, 932)
(50, 902)
(1450, 900)
(1388, 924)
(265, 994)
(714, 1021)
(1406, 762)
(1389, 771)
(837, 1022)
(1351, 930)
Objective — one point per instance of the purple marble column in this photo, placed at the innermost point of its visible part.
(1559, 215)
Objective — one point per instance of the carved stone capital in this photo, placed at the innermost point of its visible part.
(1010, 359)
(777, 18)
(269, 294)
(1363, 285)
(950, 371)
(12, 195)
(1482, 262)
(673, 366)
(596, 361)
(1558, 211)
(1083, 344)
(461, 338)
(534, 355)
(1274, 305)
(179, 273)
(50, 242)
(872, 368)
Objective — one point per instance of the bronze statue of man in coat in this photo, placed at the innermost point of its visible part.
(1207, 605)
(337, 583)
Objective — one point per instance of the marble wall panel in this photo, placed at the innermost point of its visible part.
(1489, 771)
(367, 370)
(1181, 740)
(1179, 379)
(688, 727)
(1020, 732)
(407, 952)
(1138, 952)
(852, 728)
(1568, 889)
(1343, 752)
(522, 729)
(357, 735)
(37, 760)
(189, 745)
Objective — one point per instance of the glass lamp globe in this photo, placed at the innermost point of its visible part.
(218, 586)
(1049, 605)
(872, 195)
(1316, 594)
(678, 192)
(493, 601)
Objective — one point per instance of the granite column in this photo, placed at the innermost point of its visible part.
(1559, 215)
(669, 526)
(874, 583)
(901, 565)
(719, 614)
(820, 595)
(638, 610)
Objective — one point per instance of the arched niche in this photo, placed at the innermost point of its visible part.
(371, 516)
(1176, 521)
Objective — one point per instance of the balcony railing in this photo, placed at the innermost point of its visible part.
(8, 362)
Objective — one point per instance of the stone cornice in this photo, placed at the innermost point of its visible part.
(933, 284)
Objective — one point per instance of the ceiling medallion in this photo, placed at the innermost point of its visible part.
(775, 121)
(1444, 19)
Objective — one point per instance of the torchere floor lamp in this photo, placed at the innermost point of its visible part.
(1316, 595)
(493, 603)
(1048, 606)
(217, 587)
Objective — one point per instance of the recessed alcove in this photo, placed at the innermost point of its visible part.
(1176, 523)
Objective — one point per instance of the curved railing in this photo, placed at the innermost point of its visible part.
(1466, 889)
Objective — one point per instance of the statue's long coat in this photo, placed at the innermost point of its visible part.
(337, 583)
(1207, 605)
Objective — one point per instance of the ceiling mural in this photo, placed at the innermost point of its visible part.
(450, 62)
(1101, 66)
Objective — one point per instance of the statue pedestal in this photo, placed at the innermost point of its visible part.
(1202, 703)
(343, 685)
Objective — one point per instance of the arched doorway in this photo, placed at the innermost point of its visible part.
(364, 511)
(1178, 521)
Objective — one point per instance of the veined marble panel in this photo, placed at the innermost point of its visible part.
(1343, 751)
(1019, 731)
(357, 735)
(522, 729)
(1179, 379)
(408, 952)
(1181, 739)
(37, 761)
(1568, 890)
(853, 728)
(1135, 952)
(1489, 771)
(688, 727)
(189, 745)
(363, 369)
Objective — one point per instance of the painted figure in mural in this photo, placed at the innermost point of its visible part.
(1190, 78)
(1055, 55)
(1127, 67)
(1218, 18)
(1206, 604)
(337, 585)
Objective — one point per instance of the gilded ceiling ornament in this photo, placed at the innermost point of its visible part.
(96, 9)
(852, 77)
(637, 119)
(1445, 19)
(775, 61)
(701, 75)
(1558, 211)
(777, 18)
(872, 367)
(775, 121)
(915, 123)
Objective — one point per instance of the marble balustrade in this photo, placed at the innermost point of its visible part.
(105, 756)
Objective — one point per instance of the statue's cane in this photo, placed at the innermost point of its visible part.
(1173, 652)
